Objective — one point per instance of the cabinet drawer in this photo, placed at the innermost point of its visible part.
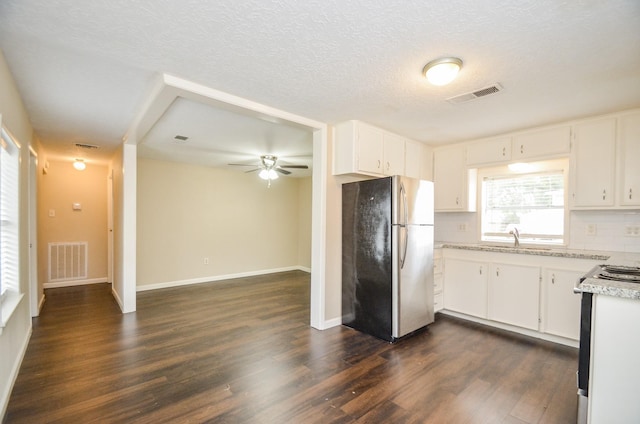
(438, 283)
(438, 302)
(437, 265)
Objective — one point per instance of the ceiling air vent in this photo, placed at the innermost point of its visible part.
(180, 139)
(467, 97)
(86, 146)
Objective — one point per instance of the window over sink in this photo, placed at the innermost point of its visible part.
(528, 199)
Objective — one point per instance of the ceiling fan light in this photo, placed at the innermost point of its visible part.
(442, 71)
(264, 174)
(79, 164)
(272, 174)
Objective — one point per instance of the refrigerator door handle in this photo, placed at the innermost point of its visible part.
(405, 225)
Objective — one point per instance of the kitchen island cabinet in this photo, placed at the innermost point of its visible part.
(615, 349)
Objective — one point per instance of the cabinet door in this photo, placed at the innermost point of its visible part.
(629, 135)
(561, 305)
(489, 151)
(370, 148)
(451, 180)
(393, 155)
(544, 143)
(594, 163)
(514, 295)
(413, 159)
(465, 287)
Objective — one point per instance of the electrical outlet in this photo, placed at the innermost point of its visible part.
(462, 227)
(632, 231)
(206, 261)
(591, 229)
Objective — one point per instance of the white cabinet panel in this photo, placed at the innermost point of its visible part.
(593, 163)
(489, 151)
(414, 159)
(370, 148)
(542, 143)
(629, 136)
(561, 315)
(454, 184)
(465, 287)
(393, 154)
(514, 295)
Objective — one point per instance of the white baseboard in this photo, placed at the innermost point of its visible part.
(71, 283)
(214, 278)
(332, 323)
(117, 298)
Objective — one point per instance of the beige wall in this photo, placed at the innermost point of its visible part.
(304, 222)
(187, 213)
(15, 334)
(58, 189)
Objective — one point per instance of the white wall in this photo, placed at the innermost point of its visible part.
(15, 335)
(186, 213)
(610, 229)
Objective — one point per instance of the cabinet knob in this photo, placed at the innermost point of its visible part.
(604, 194)
(388, 166)
(480, 270)
(630, 194)
(553, 278)
(457, 200)
(522, 148)
(504, 151)
(497, 272)
(379, 163)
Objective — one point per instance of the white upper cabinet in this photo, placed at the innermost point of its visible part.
(594, 163)
(542, 143)
(629, 143)
(361, 148)
(489, 151)
(393, 154)
(454, 184)
(415, 160)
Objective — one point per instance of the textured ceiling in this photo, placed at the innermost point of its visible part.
(85, 67)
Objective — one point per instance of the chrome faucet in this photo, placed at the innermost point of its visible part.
(516, 237)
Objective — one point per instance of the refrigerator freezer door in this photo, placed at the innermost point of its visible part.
(413, 306)
(417, 195)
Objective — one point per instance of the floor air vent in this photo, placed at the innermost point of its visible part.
(467, 97)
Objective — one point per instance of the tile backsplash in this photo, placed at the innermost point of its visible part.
(615, 231)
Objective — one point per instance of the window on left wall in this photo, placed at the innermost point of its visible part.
(9, 224)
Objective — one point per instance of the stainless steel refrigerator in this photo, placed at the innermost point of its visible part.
(387, 256)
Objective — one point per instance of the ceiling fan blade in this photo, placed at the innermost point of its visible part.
(294, 166)
(282, 171)
(252, 170)
(243, 164)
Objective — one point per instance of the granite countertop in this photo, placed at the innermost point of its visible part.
(622, 289)
(556, 252)
(590, 285)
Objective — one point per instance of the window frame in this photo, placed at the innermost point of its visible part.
(12, 294)
(537, 167)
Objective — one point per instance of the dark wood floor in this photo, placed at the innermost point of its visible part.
(242, 352)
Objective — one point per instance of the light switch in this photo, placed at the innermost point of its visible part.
(52, 213)
(77, 207)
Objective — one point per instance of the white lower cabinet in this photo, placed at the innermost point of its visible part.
(530, 294)
(514, 295)
(561, 314)
(465, 287)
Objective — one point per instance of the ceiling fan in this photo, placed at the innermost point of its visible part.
(269, 169)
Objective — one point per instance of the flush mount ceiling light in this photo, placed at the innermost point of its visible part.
(79, 164)
(442, 71)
